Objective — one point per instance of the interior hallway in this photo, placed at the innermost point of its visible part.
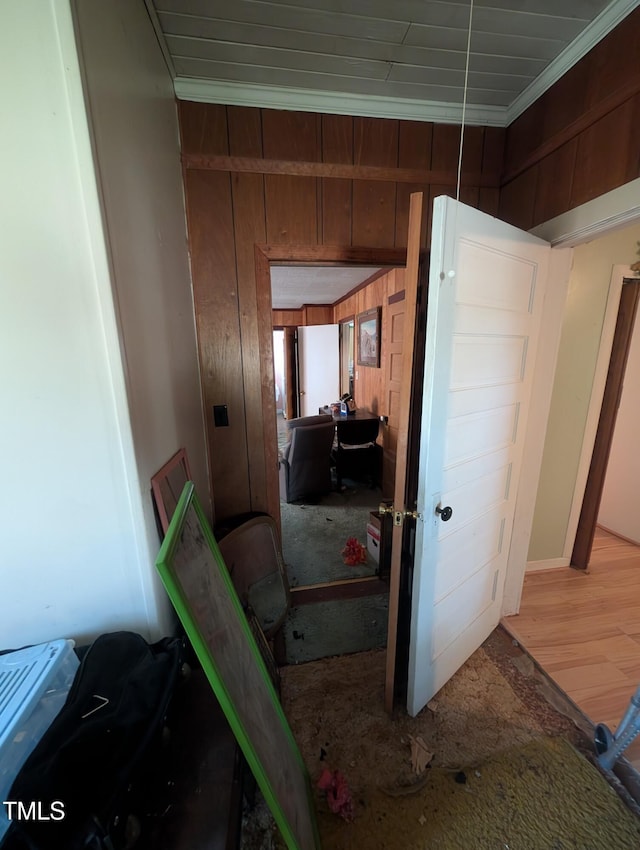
(584, 630)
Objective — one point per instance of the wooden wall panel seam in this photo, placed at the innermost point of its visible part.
(247, 195)
(351, 214)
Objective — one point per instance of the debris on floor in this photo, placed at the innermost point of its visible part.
(338, 794)
(354, 552)
(420, 755)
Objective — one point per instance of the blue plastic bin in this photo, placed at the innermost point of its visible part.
(34, 683)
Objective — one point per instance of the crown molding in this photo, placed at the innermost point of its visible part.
(615, 209)
(588, 38)
(157, 28)
(336, 103)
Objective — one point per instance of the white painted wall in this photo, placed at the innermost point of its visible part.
(77, 547)
(579, 346)
(136, 138)
(621, 495)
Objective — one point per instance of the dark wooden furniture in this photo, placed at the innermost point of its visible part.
(356, 453)
(360, 415)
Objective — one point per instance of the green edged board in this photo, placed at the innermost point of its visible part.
(198, 583)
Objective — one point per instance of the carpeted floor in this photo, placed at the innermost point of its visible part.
(542, 795)
(508, 771)
(323, 629)
(314, 535)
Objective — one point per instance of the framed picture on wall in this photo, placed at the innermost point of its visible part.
(368, 337)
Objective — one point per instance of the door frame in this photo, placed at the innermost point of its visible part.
(592, 429)
(621, 344)
(265, 256)
(540, 403)
(615, 209)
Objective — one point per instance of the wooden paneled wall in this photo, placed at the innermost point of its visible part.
(309, 314)
(256, 179)
(369, 383)
(580, 139)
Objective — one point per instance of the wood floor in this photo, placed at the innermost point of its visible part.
(584, 630)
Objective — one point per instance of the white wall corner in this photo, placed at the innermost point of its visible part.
(555, 297)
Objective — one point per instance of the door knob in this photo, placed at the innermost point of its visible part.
(445, 513)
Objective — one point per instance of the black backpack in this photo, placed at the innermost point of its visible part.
(100, 761)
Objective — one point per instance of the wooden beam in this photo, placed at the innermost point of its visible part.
(239, 164)
(333, 255)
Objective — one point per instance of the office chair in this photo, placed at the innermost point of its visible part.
(356, 454)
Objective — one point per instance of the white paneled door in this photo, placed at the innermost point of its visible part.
(318, 367)
(486, 290)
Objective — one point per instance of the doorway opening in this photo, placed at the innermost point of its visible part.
(622, 339)
(347, 355)
(580, 624)
(339, 605)
(279, 373)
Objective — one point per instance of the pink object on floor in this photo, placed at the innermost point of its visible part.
(338, 794)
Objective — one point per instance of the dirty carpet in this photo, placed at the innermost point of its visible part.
(508, 771)
(323, 629)
(313, 536)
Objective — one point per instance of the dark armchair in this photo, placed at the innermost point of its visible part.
(305, 465)
(357, 454)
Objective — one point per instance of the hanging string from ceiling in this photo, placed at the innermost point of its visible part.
(464, 100)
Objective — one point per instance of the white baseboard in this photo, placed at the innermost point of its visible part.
(549, 564)
(619, 536)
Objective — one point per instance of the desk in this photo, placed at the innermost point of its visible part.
(360, 415)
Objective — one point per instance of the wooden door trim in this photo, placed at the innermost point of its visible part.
(348, 588)
(402, 446)
(583, 543)
(265, 255)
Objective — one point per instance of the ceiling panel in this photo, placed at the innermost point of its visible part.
(447, 77)
(269, 57)
(294, 286)
(287, 17)
(482, 43)
(232, 32)
(391, 57)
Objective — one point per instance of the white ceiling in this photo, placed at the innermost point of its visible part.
(386, 58)
(294, 286)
